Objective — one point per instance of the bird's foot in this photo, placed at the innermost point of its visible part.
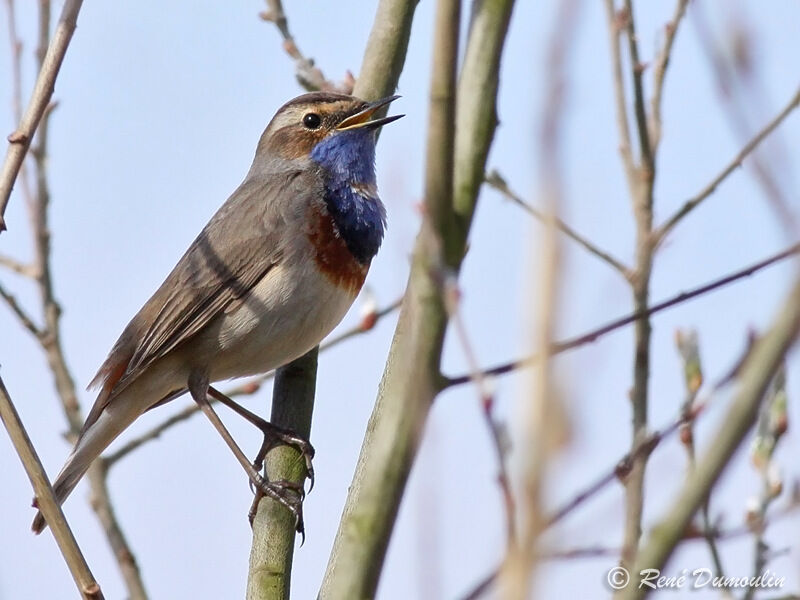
(273, 436)
(287, 493)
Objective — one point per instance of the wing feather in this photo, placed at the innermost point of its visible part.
(238, 247)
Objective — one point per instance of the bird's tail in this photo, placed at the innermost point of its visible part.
(66, 481)
(90, 445)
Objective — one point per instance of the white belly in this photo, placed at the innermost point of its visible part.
(285, 315)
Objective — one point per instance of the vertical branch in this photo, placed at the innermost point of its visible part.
(49, 56)
(411, 379)
(385, 53)
(20, 140)
(689, 350)
(641, 177)
(16, 89)
(87, 586)
(620, 102)
(754, 377)
(660, 71)
(273, 528)
(637, 69)
(772, 425)
(270, 570)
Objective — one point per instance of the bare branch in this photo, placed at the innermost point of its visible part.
(103, 507)
(309, 76)
(18, 267)
(49, 335)
(16, 94)
(274, 526)
(772, 424)
(23, 317)
(615, 24)
(597, 333)
(46, 500)
(618, 471)
(689, 350)
(495, 180)
(637, 69)
(661, 231)
(412, 380)
(734, 79)
(758, 369)
(660, 71)
(641, 185)
(113, 457)
(486, 398)
(20, 140)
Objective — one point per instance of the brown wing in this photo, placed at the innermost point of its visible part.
(240, 244)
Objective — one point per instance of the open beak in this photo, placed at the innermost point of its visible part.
(362, 117)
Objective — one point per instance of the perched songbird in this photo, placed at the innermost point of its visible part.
(271, 274)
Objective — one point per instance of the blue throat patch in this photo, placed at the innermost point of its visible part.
(348, 161)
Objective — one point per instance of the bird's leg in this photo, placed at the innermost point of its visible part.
(273, 435)
(277, 490)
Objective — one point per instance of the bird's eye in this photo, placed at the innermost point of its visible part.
(312, 121)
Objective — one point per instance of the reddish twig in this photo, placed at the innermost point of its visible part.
(309, 76)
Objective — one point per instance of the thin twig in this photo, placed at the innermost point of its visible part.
(46, 500)
(597, 333)
(733, 80)
(486, 398)
(660, 71)
(689, 350)
(619, 470)
(16, 95)
(495, 180)
(640, 183)
(309, 76)
(759, 367)
(103, 507)
(772, 424)
(637, 69)
(662, 230)
(720, 535)
(18, 267)
(24, 318)
(20, 140)
(49, 335)
(615, 24)
(622, 467)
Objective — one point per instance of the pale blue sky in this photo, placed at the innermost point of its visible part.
(160, 108)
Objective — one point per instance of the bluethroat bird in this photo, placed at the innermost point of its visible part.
(270, 275)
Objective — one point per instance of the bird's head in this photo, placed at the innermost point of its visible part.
(335, 131)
